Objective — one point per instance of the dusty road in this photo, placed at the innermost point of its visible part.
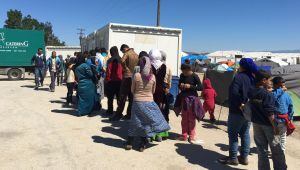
(37, 132)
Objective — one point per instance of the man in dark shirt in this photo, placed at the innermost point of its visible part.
(265, 130)
(238, 126)
(39, 63)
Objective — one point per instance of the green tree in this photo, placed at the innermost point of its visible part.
(15, 20)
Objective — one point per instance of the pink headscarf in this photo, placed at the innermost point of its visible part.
(145, 68)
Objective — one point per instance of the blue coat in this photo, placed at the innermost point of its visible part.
(49, 64)
(86, 89)
(283, 103)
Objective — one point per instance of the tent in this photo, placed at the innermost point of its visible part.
(220, 82)
(271, 62)
(193, 58)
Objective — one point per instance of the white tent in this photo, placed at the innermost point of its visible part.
(279, 61)
(219, 56)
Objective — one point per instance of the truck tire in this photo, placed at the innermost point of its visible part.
(14, 74)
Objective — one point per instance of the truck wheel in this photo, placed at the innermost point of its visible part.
(14, 74)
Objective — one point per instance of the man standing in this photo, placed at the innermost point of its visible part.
(61, 71)
(53, 63)
(238, 126)
(128, 61)
(39, 63)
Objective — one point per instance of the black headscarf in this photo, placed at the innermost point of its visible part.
(115, 57)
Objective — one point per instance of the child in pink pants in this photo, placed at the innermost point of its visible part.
(188, 102)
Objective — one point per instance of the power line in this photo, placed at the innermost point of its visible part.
(158, 14)
(81, 32)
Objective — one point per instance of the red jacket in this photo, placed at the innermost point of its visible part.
(114, 71)
(208, 94)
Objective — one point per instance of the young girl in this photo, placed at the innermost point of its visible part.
(70, 82)
(209, 95)
(189, 103)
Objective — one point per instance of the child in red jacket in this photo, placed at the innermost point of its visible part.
(209, 94)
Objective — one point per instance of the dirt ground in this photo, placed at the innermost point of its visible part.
(38, 132)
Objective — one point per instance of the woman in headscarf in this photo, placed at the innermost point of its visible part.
(163, 77)
(237, 124)
(146, 118)
(113, 78)
(86, 89)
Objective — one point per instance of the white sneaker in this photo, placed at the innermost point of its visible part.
(196, 142)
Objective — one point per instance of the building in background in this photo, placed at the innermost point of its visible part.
(221, 56)
(141, 38)
(62, 50)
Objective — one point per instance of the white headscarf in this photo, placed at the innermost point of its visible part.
(155, 57)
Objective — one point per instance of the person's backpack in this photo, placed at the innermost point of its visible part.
(114, 71)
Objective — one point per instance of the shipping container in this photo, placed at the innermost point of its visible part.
(16, 50)
(141, 38)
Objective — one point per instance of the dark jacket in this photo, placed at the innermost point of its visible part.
(195, 83)
(39, 62)
(262, 105)
(238, 92)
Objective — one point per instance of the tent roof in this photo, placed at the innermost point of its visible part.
(276, 60)
(227, 54)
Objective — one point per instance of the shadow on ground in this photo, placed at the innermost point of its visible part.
(119, 129)
(224, 147)
(33, 86)
(196, 154)
(117, 143)
(6, 79)
(218, 122)
(72, 112)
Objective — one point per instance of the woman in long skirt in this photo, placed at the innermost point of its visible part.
(87, 96)
(163, 77)
(146, 119)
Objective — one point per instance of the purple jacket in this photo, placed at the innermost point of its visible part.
(194, 103)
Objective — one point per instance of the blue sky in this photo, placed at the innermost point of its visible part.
(207, 25)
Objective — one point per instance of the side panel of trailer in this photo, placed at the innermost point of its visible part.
(141, 38)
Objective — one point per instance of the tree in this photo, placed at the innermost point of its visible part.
(15, 20)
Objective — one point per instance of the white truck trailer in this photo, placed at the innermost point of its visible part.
(141, 38)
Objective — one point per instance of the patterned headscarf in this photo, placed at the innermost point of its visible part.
(145, 68)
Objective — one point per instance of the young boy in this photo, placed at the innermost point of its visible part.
(70, 82)
(209, 95)
(191, 107)
(264, 124)
(284, 107)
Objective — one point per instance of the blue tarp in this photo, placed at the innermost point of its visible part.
(192, 58)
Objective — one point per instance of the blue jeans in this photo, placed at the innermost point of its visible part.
(264, 136)
(39, 76)
(238, 126)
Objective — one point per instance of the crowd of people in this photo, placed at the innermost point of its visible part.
(144, 80)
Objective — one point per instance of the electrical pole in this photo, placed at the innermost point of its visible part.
(81, 34)
(158, 14)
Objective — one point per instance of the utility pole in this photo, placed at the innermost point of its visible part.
(81, 34)
(158, 14)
